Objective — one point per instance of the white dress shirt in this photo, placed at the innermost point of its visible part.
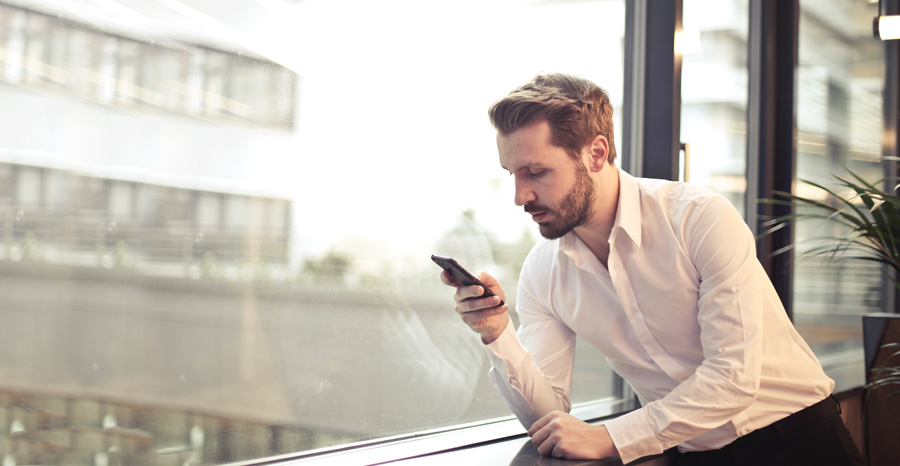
(685, 313)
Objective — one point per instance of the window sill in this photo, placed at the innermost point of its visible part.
(493, 442)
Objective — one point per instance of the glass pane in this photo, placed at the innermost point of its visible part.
(839, 124)
(217, 222)
(714, 94)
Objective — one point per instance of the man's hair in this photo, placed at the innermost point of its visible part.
(576, 109)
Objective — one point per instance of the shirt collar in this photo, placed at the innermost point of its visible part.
(628, 212)
(628, 217)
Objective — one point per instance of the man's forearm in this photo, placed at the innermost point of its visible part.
(529, 394)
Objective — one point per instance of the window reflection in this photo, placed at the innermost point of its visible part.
(714, 96)
(205, 261)
(839, 122)
(76, 59)
(839, 82)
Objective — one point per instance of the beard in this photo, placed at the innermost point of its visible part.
(573, 211)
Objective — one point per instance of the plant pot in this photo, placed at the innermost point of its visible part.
(881, 410)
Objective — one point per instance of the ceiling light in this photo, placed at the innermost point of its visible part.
(887, 27)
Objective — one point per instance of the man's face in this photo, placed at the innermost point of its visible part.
(556, 190)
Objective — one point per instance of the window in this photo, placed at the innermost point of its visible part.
(216, 223)
(839, 124)
(206, 261)
(120, 200)
(839, 91)
(29, 186)
(714, 95)
(78, 59)
(208, 211)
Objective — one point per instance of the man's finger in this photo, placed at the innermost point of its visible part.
(464, 293)
(448, 279)
(540, 423)
(547, 446)
(473, 317)
(477, 304)
(544, 440)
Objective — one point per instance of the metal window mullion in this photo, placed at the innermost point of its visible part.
(652, 89)
(631, 159)
(891, 138)
(662, 91)
(771, 123)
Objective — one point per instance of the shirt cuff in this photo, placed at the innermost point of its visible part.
(506, 350)
(633, 436)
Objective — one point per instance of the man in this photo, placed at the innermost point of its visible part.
(662, 278)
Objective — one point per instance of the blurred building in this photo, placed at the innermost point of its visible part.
(125, 181)
(90, 171)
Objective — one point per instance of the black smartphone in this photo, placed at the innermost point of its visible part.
(461, 274)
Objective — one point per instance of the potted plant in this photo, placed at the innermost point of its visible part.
(868, 218)
(870, 215)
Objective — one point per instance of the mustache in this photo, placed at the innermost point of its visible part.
(531, 207)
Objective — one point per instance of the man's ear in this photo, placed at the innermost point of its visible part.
(599, 152)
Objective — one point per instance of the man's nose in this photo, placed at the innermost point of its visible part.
(524, 193)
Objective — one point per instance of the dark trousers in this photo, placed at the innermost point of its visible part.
(812, 436)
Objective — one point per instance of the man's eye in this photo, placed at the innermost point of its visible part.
(537, 172)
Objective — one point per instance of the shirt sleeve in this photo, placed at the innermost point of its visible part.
(537, 383)
(730, 315)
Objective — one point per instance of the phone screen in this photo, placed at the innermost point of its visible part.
(461, 274)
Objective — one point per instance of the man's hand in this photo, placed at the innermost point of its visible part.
(483, 315)
(565, 436)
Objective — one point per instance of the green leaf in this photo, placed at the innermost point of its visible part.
(869, 216)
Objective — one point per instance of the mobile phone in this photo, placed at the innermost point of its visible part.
(461, 274)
